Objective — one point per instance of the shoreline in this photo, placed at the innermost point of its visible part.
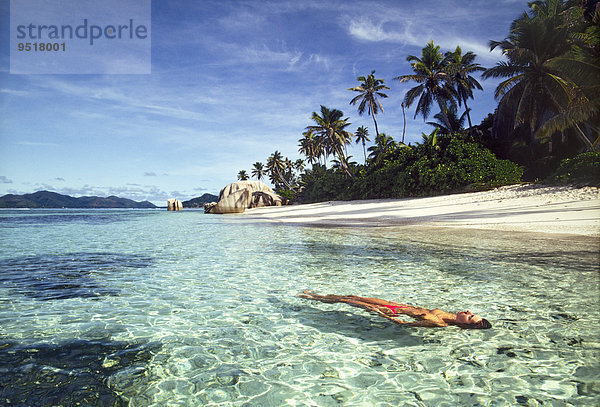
(514, 208)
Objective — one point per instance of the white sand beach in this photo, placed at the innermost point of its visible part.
(519, 208)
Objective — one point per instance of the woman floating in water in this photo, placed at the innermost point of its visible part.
(391, 310)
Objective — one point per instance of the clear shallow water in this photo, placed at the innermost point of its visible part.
(141, 308)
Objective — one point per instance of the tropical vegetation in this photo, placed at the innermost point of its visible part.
(369, 90)
(549, 100)
(583, 168)
(546, 125)
(433, 75)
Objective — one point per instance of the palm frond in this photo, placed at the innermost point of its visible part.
(575, 115)
(412, 94)
(406, 78)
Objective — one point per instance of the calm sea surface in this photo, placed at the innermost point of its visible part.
(155, 308)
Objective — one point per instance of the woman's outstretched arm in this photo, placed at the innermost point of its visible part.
(347, 298)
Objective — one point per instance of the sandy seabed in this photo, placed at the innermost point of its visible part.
(518, 208)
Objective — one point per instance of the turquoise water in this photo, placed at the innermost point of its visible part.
(155, 308)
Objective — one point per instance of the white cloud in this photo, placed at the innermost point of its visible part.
(15, 92)
(117, 99)
(242, 20)
(37, 144)
(273, 56)
(414, 29)
(265, 55)
(365, 29)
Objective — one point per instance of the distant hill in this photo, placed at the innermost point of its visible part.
(47, 199)
(200, 201)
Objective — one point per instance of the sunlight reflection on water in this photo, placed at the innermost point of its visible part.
(211, 301)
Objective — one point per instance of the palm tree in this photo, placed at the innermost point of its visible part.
(462, 66)
(383, 143)
(321, 149)
(331, 126)
(369, 89)
(289, 165)
(449, 123)
(433, 78)
(308, 146)
(275, 167)
(278, 168)
(539, 94)
(582, 64)
(299, 165)
(258, 170)
(338, 164)
(288, 174)
(362, 136)
(242, 175)
(312, 146)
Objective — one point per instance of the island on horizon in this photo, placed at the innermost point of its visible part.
(48, 199)
(52, 200)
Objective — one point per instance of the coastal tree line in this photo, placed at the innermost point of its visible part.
(548, 112)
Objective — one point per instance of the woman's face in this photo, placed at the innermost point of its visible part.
(466, 317)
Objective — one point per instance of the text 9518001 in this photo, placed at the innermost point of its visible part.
(41, 46)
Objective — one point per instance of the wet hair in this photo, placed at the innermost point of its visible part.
(483, 324)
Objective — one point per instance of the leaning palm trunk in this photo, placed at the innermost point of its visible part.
(573, 118)
(337, 151)
(586, 141)
(282, 179)
(344, 163)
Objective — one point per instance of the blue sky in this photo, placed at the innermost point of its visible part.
(231, 82)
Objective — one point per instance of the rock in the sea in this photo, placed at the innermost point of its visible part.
(174, 205)
(239, 196)
(208, 206)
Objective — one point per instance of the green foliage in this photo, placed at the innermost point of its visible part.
(288, 194)
(322, 184)
(453, 164)
(583, 168)
(442, 164)
(551, 74)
